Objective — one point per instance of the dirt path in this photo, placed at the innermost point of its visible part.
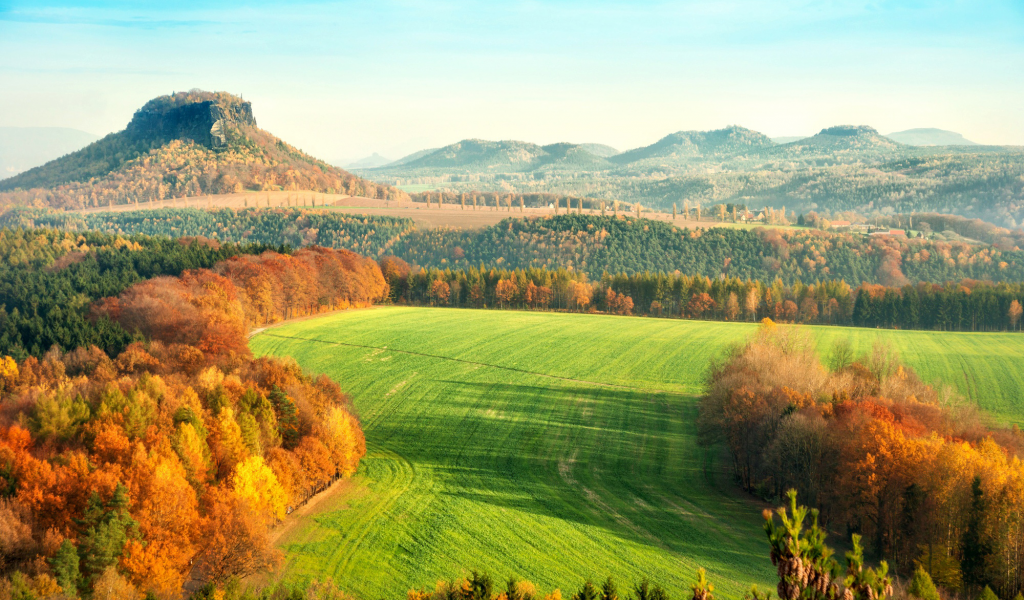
(259, 330)
(289, 523)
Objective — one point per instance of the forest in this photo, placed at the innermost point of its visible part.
(50, 278)
(968, 305)
(169, 461)
(295, 227)
(912, 471)
(593, 244)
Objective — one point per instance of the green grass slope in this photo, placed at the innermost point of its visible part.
(555, 447)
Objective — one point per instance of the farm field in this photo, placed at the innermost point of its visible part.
(554, 447)
(427, 217)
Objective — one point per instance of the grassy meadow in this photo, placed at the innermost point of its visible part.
(554, 447)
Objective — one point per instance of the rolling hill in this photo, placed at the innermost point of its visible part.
(22, 148)
(370, 162)
(861, 140)
(181, 145)
(930, 137)
(599, 150)
(690, 145)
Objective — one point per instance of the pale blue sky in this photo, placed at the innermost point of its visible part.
(344, 79)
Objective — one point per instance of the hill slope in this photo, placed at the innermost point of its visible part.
(930, 137)
(699, 144)
(22, 148)
(495, 444)
(186, 144)
(859, 139)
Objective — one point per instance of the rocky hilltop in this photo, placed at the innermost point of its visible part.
(183, 144)
(202, 117)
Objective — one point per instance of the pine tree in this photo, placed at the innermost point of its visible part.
(480, 585)
(512, 590)
(587, 592)
(106, 529)
(65, 568)
(609, 591)
(287, 418)
(974, 549)
(987, 594)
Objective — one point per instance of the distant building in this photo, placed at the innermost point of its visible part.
(838, 224)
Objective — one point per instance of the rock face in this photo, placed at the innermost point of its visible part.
(207, 123)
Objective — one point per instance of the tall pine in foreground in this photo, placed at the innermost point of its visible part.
(975, 550)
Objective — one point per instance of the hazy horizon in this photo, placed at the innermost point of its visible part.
(343, 80)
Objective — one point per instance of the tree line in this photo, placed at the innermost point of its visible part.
(924, 482)
(170, 460)
(963, 306)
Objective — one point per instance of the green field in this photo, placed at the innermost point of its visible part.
(556, 447)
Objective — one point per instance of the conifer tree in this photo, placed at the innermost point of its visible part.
(107, 526)
(65, 568)
(512, 590)
(587, 592)
(287, 418)
(974, 549)
(480, 585)
(609, 591)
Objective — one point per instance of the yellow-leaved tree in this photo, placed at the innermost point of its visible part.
(255, 483)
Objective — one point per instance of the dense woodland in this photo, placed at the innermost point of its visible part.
(50, 278)
(909, 468)
(169, 461)
(295, 227)
(593, 244)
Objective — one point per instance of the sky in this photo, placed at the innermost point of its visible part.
(342, 80)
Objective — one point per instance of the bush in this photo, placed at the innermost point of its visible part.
(921, 586)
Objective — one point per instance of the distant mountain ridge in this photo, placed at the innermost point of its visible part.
(508, 155)
(370, 162)
(929, 136)
(184, 144)
(682, 149)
